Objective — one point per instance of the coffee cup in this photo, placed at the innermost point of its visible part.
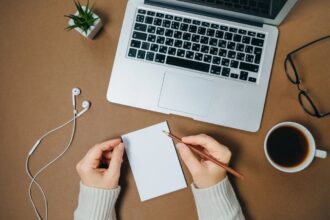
(290, 147)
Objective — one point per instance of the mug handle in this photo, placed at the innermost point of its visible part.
(320, 153)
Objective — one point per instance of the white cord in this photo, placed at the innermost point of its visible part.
(33, 178)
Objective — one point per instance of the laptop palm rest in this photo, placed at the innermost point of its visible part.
(186, 94)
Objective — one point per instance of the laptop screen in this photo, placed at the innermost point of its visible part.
(261, 8)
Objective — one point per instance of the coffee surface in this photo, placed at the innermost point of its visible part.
(287, 146)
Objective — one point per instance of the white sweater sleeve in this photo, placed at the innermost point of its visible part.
(96, 204)
(217, 202)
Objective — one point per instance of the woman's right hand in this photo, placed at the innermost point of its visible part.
(204, 172)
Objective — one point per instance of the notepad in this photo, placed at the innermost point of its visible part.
(154, 161)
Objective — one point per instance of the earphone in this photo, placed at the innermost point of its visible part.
(86, 106)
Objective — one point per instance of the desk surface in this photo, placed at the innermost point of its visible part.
(39, 65)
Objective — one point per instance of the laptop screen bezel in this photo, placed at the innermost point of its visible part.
(207, 10)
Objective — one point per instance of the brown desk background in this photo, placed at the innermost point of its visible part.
(39, 65)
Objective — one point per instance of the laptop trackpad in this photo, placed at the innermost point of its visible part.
(186, 94)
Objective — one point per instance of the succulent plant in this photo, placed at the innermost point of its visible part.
(84, 20)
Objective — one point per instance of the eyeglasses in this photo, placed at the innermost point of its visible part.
(304, 99)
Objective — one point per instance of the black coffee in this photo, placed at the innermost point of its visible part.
(287, 146)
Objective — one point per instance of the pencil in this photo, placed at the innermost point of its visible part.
(199, 150)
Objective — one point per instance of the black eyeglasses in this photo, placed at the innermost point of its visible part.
(304, 99)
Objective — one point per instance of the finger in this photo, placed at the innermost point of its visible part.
(188, 158)
(107, 154)
(95, 153)
(115, 162)
(205, 141)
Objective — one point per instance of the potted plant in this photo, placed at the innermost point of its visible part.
(85, 21)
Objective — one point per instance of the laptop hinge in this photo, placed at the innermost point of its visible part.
(200, 12)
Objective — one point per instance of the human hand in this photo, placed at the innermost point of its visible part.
(204, 172)
(92, 174)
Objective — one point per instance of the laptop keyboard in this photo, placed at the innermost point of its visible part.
(211, 48)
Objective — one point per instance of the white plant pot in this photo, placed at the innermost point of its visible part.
(93, 30)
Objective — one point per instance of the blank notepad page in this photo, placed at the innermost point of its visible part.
(154, 161)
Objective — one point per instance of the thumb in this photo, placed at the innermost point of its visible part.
(189, 158)
(115, 162)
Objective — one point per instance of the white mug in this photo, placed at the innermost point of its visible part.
(312, 151)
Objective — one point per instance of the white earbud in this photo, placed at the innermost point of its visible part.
(86, 105)
(75, 92)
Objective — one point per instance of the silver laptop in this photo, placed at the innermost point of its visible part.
(209, 60)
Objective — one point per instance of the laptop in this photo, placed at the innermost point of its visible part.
(209, 60)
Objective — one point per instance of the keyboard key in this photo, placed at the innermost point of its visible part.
(257, 58)
(248, 67)
(187, 20)
(216, 60)
(205, 49)
(187, 45)
(180, 53)
(145, 45)
(140, 18)
(240, 56)
(242, 31)
(257, 42)
(162, 49)
(201, 30)
(150, 56)
(240, 47)
(186, 36)
(231, 54)
(237, 38)
(154, 47)
(222, 52)
(175, 25)
(231, 45)
(225, 62)
(252, 79)
(177, 34)
(189, 54)
(140, 27)
(135, 43)
(160, 15)
(195, 38)
(196, 22)
(151, 29)
(234, 64)
(251, 33)
(214, 51)
(225, 71)
(249, 58)
(160, 40)
(151, 13)
(219, 34)
(171, 51)
(213, 42)
(228, 36)
(177, 18)
(248, 49)
(141, 11)
(192, 28)
(246, 39)
(234, 75)
(257, 50)
(205, 24)
(166, 23)
(234, 30)
(207, 58)
(224, 28)
(190, 64)
(160, 58)
(215, 69)
(210, 32)
(184, 27)
(132, 52)
(169, 42)
(169, 17)
(168, 33)
(178, 43)
(157, 21)
(204, 40)
(195, 47)
(160, 31)
(215, 26)
(243, 75)
(139, 35)
(198, 56)
(149, 20)
(261, 35)
(141, 54)
(222, 43)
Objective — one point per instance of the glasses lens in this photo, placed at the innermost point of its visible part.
(307, 103)
(290, 72)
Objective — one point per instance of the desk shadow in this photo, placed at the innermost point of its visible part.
(123, 185)
(105, 20)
